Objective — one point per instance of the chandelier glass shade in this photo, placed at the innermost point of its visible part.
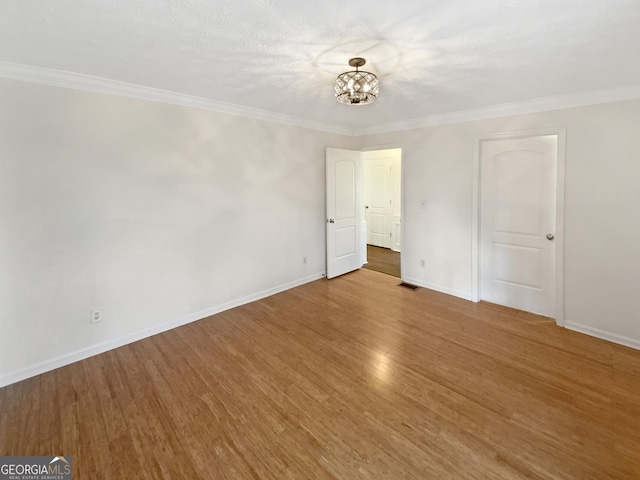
(356, 87)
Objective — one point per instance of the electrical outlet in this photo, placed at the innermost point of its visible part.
(422, 263)
(304, 260)
(96, 316)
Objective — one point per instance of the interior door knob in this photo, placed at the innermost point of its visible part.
(550, 236)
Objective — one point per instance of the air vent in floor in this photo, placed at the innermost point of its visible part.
(408, 285)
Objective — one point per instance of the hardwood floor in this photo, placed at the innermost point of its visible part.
(347, 378)
(383, 260)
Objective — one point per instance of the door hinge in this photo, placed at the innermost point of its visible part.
(389, 233)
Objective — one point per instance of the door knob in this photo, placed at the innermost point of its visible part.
(330, 220)
(550, 236)
(366, 206)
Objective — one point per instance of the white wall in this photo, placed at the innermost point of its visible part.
(154, 214)
(157, 215)
(602, 226)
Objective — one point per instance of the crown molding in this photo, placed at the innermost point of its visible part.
(78, 81)
(89, 83)
(579, 99)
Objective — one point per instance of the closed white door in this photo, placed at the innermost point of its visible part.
(344, 211)
(377, 188)
(517, 223)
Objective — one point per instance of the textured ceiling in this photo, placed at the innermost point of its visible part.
(282, 56)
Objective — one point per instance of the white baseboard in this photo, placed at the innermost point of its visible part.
(437, 288)
(602, 334)
(61, 361)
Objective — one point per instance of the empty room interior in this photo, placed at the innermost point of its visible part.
(186, 209)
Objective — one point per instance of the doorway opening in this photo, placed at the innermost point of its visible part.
(346, 216)
(382, 170)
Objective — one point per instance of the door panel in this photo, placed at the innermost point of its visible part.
(517, 265)
(518, 189)
(378, 201)
(345, 178)
(345, 241)
(378, 223)
(517, 212)
(344, 211)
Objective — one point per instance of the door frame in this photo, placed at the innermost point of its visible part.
(399, 146)
(560, 133)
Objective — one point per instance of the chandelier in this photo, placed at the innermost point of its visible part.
(356, 87)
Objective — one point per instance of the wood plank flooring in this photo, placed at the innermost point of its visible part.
(350, 378)
(383, 260)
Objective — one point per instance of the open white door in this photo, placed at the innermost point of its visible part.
(344, 211)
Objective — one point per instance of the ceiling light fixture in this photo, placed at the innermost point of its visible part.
(356, 87)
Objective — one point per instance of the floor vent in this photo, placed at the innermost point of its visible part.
(408, 285)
